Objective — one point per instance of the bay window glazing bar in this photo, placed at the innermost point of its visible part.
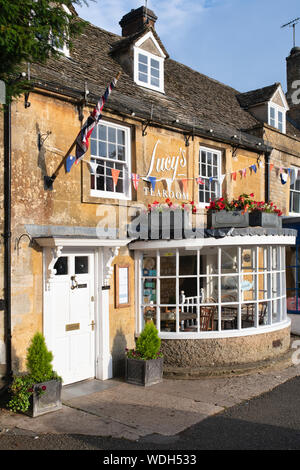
(158, 290)
(256, 277)
(239, 313)
(199, 300)
(177, 290)
(219, 288)
(270, 284)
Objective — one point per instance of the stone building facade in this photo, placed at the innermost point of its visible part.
(70, 251)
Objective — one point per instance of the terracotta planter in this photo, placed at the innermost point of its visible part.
(46, 402)
(265, 219)
(227, 219)
(139, 372)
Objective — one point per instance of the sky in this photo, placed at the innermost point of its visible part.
(237, 42)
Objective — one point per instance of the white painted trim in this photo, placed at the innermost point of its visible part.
(219, 154)
(277, 108)
(144, 38)
(193, 243)
(161, 87)
(282, 96)
(81, 242)
(228, 333)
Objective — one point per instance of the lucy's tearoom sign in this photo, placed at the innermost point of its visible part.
(170, 165)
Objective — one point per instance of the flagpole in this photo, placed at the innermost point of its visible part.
(48, 180)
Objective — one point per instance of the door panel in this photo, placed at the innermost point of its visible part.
(73, 317)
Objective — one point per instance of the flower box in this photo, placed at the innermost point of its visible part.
(265, 219)
(46, 397)
(168, 224)
(225, 219)
(144, 372)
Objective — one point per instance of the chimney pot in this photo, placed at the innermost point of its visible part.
(135, 21)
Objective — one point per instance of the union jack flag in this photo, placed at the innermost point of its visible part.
(135, 180)
(82, 141)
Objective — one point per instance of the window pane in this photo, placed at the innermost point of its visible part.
(102, 149)
(121, 152)
(168, 264)
(112, 134)
(81, 264)
(121, 137)
(143, 58)
(102, 132)
(93, 147)
(155, 63)
(112, 151)
(143, 77)
(155, 73)
(143, 68)
(154, 81)
(61, 266)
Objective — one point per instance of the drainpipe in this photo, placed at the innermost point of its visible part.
(7, 238)
(267, 176)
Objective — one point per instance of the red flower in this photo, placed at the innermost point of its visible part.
(251, 195)
(44, 387)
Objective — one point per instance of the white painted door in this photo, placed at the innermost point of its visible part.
(73, 315)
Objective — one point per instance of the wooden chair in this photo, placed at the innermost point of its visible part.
(207, 318)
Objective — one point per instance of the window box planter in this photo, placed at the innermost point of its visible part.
(265, 219)
(173, 224)
(145, 373)
(46, 397)
(225, 219)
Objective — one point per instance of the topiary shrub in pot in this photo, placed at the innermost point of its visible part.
(144, 364)
(39, 391)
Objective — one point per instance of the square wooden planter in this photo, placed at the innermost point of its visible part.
(48, 401)
(139, 372)
(227, 219)
(265, 219)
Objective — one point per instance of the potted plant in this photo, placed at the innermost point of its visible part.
(144, 364)
(39, 391)
(242, 212)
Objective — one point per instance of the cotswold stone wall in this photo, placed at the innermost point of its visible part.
(202, 353)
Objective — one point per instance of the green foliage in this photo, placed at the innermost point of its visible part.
(38, 362)
(39, 359)
(26, 27)
(20, 392)
(147, 344)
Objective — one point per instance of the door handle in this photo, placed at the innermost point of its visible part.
(92, 325)
(74, 284)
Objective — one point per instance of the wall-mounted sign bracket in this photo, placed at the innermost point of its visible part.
(147, 123)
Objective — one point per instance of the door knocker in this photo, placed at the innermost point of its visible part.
(74, 284)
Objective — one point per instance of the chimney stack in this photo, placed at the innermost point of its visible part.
(136, 20)
(292, 72)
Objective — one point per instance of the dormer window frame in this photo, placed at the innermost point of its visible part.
(148, 57)
(274, 119)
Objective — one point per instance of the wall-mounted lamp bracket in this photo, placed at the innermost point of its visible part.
(147, 123)
(187, 138)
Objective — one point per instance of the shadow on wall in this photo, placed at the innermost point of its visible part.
(118, 354)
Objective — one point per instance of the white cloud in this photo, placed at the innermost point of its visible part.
(174, 16)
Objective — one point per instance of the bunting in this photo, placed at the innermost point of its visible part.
(152, 180)
(135, 180)
(115, 175)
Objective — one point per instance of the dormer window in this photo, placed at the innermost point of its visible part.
(277, 117)
(149, 63)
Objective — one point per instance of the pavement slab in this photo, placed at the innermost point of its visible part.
(120, 410)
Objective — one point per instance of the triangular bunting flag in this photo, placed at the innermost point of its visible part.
(233, 176)
(200, 180)
(135, 180)
(271, 166)
(69, 162)
(184, 184)
(221, 179)
(152, 180)
(169, 182)
(283, 177)
(293, 175)
(93, 167)
(254, 168)
(115, 175)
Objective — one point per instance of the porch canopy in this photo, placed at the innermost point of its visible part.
(225, 283)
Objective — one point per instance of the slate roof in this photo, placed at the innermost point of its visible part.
(199, 102)
(254, 97)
